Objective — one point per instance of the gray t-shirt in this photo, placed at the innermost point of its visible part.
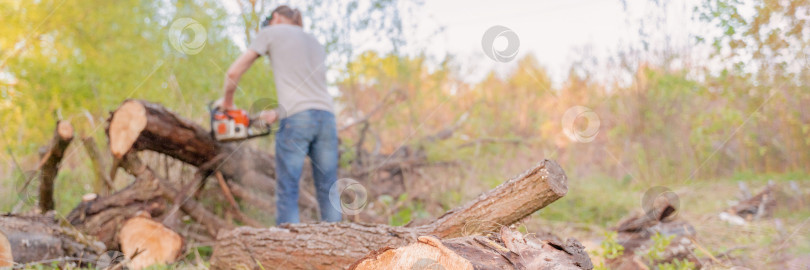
(298, 61)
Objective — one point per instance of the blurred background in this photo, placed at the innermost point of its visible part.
(697, 96)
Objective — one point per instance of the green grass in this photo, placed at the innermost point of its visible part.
(603, 201)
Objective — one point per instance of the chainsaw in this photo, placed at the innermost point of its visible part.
(236, 124)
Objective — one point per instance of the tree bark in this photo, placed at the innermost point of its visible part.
(330, 245)
(38, 238)
(49, 165)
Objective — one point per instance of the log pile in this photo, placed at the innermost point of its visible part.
(142, 219)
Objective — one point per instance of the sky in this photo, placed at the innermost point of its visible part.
(554, 31)
(551, 30)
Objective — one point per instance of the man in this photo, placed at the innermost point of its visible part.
(309, 129)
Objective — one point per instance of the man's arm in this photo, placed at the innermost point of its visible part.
(234, 73)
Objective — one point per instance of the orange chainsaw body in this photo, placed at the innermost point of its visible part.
(230, 125)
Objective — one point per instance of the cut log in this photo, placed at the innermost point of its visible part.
(49, 165)
(507, 250)
(330, 245)
(145, 242)
(141, 125)
(6, 259)
(39, 237)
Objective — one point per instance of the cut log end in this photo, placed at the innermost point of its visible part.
(427, 253)
(126, 125)
(509, 250)
(145, 242)
(89, 197)
(555, 177)
(65, 130)
(6, 259)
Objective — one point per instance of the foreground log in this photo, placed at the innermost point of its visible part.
(506, 250)
(331, 246)
(38, 238)
(145, 242)
(49, 165)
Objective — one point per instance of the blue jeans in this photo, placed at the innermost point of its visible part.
(310, 133)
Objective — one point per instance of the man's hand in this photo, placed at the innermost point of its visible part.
(220, 104)
(269, 116)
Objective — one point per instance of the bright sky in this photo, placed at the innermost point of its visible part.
(553, 30)
(550, 29)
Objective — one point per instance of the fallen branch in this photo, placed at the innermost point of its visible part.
(100, 166)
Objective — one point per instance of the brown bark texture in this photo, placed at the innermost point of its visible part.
(49, 164)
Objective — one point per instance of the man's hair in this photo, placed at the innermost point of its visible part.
(289, 13)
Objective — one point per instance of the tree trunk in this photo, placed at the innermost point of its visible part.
(330, 245)
(49, 165)
(506, 250)
(39, 238)
(141, 125)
